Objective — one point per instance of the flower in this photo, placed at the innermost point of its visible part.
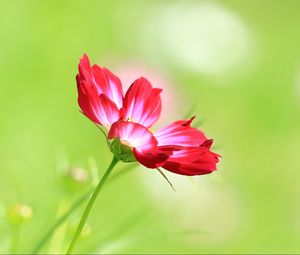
(128, 119)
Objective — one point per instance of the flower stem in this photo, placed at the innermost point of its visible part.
(90, 205)
(45, 238)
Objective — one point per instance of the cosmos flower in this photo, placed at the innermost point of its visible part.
(127, 120)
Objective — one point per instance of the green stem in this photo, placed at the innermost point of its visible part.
(45, 238)
(90, 205)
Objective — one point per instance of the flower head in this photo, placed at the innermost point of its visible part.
(178, 147)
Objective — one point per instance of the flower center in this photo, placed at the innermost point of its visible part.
(127, 143)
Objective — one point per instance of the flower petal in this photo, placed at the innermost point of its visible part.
(108, 84)
(192, 161)
(107, 111)
(142, 141)
(99, 109)
(142, 103)
(180, 133)
(88, 101)
(153, 157)
(102, 79)
(132, 134)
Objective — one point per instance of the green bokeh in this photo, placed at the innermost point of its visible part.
(251, 112)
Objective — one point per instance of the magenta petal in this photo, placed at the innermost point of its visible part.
(102, 79)
(100, 94)
(132, 134)
(154, 157)
(108, 84)
(180, 133)
(192, 161)
(88, 101)
(142, 141)
(107, 111)
(142, 103)
(99, 109)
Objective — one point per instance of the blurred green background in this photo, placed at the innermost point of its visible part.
(237, 62)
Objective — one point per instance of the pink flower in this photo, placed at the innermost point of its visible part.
(178, 147)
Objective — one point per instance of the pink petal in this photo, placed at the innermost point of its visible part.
(108, 84)
(107, 111)
(102, 79)
(88, 101)
(142, 141)
(99, 109)
(180, 133)
(153, 157)
(132, 134)
(192, 161)
(142, 103)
